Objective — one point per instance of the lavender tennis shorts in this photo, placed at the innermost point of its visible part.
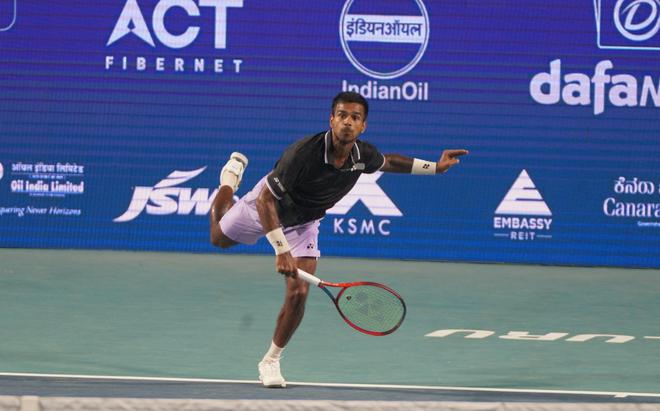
(242, 224)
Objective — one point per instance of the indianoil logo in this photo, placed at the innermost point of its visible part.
(397, 29)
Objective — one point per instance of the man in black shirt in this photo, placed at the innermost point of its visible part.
(312, 175)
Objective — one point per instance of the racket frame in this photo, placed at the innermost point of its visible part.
(313, 280)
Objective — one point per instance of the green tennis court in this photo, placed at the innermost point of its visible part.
(212, 316)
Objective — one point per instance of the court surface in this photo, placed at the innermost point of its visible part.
(195, 326)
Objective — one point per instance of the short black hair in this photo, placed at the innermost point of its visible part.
(350, 97)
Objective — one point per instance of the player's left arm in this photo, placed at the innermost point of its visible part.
(396, 163)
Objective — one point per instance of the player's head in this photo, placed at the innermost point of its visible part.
(351, 97)
(348, 118)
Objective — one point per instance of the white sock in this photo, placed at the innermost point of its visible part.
(273, 353)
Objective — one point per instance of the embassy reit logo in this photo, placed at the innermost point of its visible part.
(523, 215)
(398, 29)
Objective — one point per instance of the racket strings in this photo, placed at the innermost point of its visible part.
(371, 308)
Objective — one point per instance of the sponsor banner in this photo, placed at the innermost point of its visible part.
(634, 200)
(40, 188)
(114, 133)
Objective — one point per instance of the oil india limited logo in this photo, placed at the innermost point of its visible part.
(523, 214)
(385, 43)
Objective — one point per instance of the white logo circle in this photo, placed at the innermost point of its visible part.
(637, 31)
(392, 29)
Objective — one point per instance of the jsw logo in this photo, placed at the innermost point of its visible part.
(377, 202)
(132, 20)
(164, 198)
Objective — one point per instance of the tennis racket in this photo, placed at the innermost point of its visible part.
(370, 308)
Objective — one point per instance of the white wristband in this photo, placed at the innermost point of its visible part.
(422, 167)
(277, 239)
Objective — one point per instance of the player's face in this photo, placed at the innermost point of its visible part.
(348, 122)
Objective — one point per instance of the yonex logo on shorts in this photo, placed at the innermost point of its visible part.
(397, 28)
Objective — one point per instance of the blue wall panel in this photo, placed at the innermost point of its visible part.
(557, 102)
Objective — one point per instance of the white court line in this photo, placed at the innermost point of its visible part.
(338, 385)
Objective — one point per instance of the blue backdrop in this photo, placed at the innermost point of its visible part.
(116, 116)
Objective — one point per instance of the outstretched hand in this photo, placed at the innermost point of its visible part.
(448, 159)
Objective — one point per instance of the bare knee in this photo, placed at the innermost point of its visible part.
(220, 240)
(224, 243)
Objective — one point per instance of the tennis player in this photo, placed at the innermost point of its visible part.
(287, 204)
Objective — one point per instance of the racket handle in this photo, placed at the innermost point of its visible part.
(307, 277)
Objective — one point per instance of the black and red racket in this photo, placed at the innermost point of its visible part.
(369, 307)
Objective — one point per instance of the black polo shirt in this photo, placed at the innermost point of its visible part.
(306, 183)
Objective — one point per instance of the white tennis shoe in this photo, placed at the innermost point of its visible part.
(232, 173)
(270, 375)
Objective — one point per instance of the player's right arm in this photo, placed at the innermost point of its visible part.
(284, 261)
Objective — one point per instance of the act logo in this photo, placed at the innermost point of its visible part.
(131, 20)
(175, 24)
(397, 29)
(166, 198)
(8, 9)
(374, 199)
(628, 24)
(523, 214)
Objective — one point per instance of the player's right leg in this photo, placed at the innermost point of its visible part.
(230, 178)
(304, 247)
